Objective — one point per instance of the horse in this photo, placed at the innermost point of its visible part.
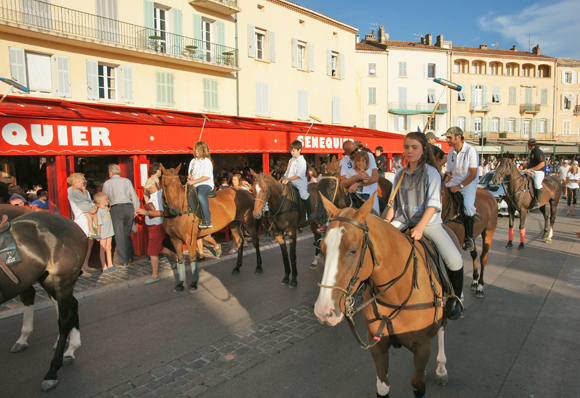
(284, 218)
(519, 195)
(231, 207)
(362, 248)
(485, 225)
(53, 249)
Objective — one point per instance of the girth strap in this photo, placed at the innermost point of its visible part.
(8, 272)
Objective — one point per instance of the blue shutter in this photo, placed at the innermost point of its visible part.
(484, 102)
(178, 31)
(271, 46)
(92, 79)
(18, 65)
(294, 52)
(197, 34)
(128, 84)
(221, 35)
(206, 94)
(311, 57)
(214, 95)
(63, 75)
(473, 93)
(251, 41)
(149, 12)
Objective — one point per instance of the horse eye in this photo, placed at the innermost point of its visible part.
(352, 252)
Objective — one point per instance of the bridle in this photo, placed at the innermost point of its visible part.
(386, 320)
(283, 195)
(503, 176)
(169, 209)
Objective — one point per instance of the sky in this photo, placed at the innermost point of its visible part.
(551, 24)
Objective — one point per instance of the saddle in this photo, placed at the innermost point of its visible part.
(296, 200)
(9, 252)
(193, 201)
(457, 198)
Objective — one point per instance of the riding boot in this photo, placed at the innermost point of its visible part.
(308, 206)
(537, 199)
(454, 305)
(469, 223)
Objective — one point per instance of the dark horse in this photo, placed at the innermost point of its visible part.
(284, 218)
(231, 207)
(519, 195)
(486, 207)
(53, 249)
(404, 302)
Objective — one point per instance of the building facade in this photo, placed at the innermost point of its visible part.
(567, 101)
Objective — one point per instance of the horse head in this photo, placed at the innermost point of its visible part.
(330, 187)
(503, 169)
(173, 191)
(344, 266)
(261, 190)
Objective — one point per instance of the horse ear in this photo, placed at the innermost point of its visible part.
(163, 169)
(177, 169)
(331, 209)
(253, 173)
(365, 209)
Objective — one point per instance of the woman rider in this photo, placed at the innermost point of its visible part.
(200, 175)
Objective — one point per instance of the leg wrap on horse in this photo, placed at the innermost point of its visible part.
(523, 235)
(511, 234)
(181, 271)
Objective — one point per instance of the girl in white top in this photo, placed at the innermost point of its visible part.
(572, 182)
(200, 175)
(361, 164)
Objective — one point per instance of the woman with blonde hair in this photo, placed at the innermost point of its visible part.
(200, 175)
(572, 183)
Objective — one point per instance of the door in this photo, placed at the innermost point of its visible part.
(526, 131)
(477, 127)
(478, 98)
(160, 25)
(207, 39)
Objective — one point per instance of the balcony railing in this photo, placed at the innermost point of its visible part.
(227, 7)
(479, 107)
(529, 108)
(417, 106)
(577, 109)
(58, 19)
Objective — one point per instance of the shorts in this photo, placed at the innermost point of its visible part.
(156, 236)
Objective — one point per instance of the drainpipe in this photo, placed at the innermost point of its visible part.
(361, 103)
(554, 102)
(237, 73)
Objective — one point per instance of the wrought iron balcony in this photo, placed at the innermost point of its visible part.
(415, 107)
(227, 7)
(479, 107)
(529, 108)
(62, 20)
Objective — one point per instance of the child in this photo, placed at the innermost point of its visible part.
(296, 174)
(417, 204)
(200, 175)
(79, 197)
(106, 232)
(361, 165)
(380, 160)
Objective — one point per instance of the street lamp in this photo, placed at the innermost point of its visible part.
(13, 84)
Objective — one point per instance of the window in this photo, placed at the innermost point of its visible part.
(303, 105)
(495, 97)
(335, 109)
(334, 63)
(160, 18)
(461, 122)
(165, 89)
(456, 67)
(210, 95)
(260, 42)
(372, 121)
(107, 82)
(477, 126)
(431, 96)
(527, 128)
(566, 127)
(402, 69)
(461, 94)
(494, 127)
(372, 69)
(544, 96)
(402, 123)
(38, 71)
(431, 71)
(432, 124)
(301, 55)
(513, 95)
(566, 101)
(567, 77)
(372, 95)
(511, 125)
(262, 99)
(542, 126)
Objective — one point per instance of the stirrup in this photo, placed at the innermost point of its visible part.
(455, 308)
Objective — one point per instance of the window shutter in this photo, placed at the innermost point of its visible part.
(533, 134)
(436, 122)
(197, 30)
(302, 105)
(437, 71)
(544, 98)
(294, 52)
(251, 41)
(373, 121)
(425, 70)
(573, 75)
(335, 109)
(562, 98)
(272, 46)
(408, 120)
(425, 120)
(266, 99)
(329, 62)
(431, 95)
(401, 69)
(455, 120)
(92, 79)
(18, 66)
(214, 95)
(160, 87)
(517, 124)
(63, 75)
(311, 57)
(403, 97)
(484, 102)
(221, 36)
(148, 11)
(549, 126)
(342, 66)
(563, 76)
(206, 94)
(483, 126)
(466, 125)
(472, 127)
(501, 124)
(170, 89)
(128, 84)
(178, 31)
(473, 93)
(372, 95)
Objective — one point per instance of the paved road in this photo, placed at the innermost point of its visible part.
(249, 336)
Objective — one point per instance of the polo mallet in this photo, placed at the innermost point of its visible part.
(445, 83)
(205, 119)
(13, 84)
(315, 119)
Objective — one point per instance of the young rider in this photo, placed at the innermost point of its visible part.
(296, 174)
(200, 175)
(418, 204)
(535, 170)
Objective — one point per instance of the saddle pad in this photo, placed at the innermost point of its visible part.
(9, 252)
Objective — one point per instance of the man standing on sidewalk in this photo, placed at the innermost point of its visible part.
(124, 202)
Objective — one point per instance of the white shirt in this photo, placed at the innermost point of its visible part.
(156, 200)
(297, 167)
(201, 168)
(460, 163)
(563, 171)
(574, 179)
(346, 163)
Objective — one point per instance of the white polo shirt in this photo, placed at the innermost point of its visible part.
(459, 164)
(346, 163)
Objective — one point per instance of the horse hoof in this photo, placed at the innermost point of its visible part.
(479, 294)
(192, 288)
(509, 244)
(473, 285)
(19, 347)
(313, 265)
(442, 380)
(286, 280)
(236, 271)
(178, 288)
(549, 240)
(68, 360)
(259, 270)
(521, 246)
(48, 385)
(293, 284)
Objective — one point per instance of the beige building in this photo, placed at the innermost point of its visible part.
(567, 100)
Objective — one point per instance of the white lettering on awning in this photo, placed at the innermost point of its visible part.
(43, 135)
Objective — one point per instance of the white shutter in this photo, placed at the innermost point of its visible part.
(335, 109)
(425, 70)
(563, 76)
(272, 46)
(342, 66)
(483, 126)
(329, 62)
(573, 75)
(302, 105)
(561, 101)
(251, 41)
(214, 95)
(311, 57)
(533, 134)
(455, 120)
(18, 65)
(92, 79)
(63, 75)
(128, 84)
(372, 121)
(466, 125)
(294, 52)
(372, 95)
(484, 102)
(437, 71)
(549, 126)
(408, 118)
(501, 124)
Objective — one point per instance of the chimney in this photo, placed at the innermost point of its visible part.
(429, 39)
(356, 38)
(442, 43)
(383, 37)
(514, 48)
(536, 50)
(483, 46)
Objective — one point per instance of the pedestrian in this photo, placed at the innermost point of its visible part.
(200, 175)
(562, 173)
(347, 163)
(106, 232)
(216, 246)
(296, 175)
(536, 170)
(417, 205)
(79, 196)
(17, 200)
(124, 202)
(155, 230)
(380, 160)
(572, 180)
(41, 204)
(462, 166)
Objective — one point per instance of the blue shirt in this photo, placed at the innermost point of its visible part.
(41, 204)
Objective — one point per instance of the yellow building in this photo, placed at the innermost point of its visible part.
(568, 100)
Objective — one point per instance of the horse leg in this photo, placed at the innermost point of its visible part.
(74, 341)
(68, 312)
(280, 238)
(511, 216)
(441, 375)
(475, 267)
(318, 252)
(27, 298)
(486, 236)
(194, 271)
(546, 222)
(238, 236)
(292, 236)
(549, 232)
(421, 354)
(178, 246)
(380, 354)
(251, 228)
(522, 245)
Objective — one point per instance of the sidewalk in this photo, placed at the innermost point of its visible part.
(137, 272)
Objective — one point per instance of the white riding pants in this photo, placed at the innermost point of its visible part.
(468, 193)
(538, 177)
(447, 249)
(302, 188)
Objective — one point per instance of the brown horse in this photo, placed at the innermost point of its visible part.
(53, 249)
(519, 195)
(362, 248)
(284, 218)
(231, 207)
(486, 207)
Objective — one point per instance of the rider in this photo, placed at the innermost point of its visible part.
(296, 174)
(361, 179)
(361, 168)
(462, 166)
(535, 169)
(200, 175)
(418, 203)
